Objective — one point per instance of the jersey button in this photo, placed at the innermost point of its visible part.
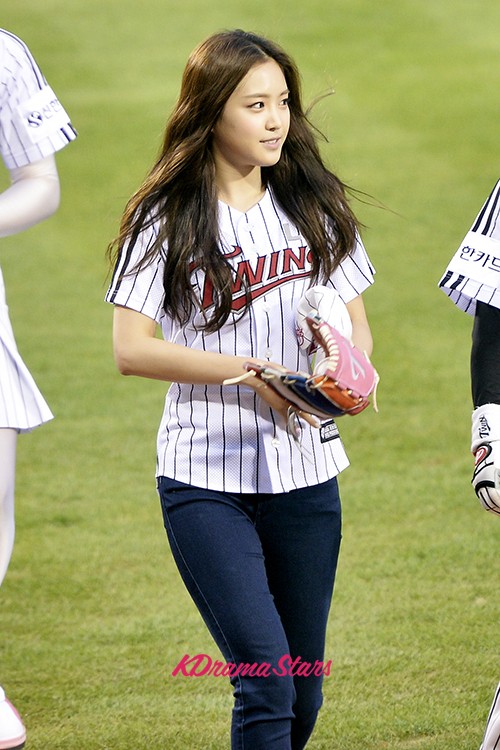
(275, 442)
(268, 353)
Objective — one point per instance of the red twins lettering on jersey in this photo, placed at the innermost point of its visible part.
(261, 275)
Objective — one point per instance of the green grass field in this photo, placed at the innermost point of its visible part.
(93, 616)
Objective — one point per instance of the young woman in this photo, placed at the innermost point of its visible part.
(33, 127)
(236, 220)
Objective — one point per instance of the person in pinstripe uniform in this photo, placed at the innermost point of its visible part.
(33, 126)
(238, 217)
(472, 281)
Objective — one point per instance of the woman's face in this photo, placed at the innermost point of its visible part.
(254, 123)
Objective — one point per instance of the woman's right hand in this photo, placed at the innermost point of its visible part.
(272, 398)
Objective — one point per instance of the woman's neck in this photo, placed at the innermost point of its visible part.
(240, 192)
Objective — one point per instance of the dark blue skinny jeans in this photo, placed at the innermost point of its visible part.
(261, 569)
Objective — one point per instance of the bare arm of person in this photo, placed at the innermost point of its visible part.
(33, 196)
(361, 333)
(138, 351)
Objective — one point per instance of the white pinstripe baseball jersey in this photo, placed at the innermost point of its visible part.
(22, 406)
(33, 125)
(491, 739)
(225, 437)
(473, 273)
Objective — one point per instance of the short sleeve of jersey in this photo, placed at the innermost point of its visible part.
(142, 291)
(473, 273)
(33, 123)
(354, 274)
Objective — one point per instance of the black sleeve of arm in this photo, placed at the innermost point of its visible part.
(485, 355)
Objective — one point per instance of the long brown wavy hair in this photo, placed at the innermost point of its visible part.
(180, 195)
